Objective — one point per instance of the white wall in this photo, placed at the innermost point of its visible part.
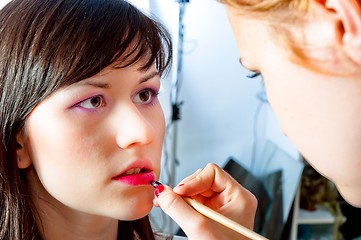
(3, 3)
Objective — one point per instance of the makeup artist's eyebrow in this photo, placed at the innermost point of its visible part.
(149, 76)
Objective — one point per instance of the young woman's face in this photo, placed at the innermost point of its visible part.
(96, 144)
(320, 114)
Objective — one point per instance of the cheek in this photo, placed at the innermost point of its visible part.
(280, 98)
(64, 156)
(162, 125)
(158, 123)
(157, 120)
(46, 139)
(290, 94)
(52, 150)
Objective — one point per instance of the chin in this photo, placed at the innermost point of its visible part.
(351, 196)
(354, 202)
(137, 213)
(135, 208)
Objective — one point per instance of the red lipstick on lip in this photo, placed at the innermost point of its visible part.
(137, 173)
(136, 179)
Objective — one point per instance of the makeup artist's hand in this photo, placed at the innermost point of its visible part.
(216, 189)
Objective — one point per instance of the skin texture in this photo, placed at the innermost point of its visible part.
(81, 137)
(318, 107)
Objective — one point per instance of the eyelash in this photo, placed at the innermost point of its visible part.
(254, 75)
(153, 95)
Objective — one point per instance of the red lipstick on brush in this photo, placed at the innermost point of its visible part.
(158, 187)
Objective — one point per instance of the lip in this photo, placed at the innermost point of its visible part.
(135, 179)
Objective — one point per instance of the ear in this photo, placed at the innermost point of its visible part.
(22, 155)
(349, 13)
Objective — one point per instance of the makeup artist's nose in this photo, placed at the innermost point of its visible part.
(133, 128)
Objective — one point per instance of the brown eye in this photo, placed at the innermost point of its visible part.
(96, 101)
(145, 96)
(92, 103)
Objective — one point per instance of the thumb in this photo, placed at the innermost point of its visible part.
(175, 207)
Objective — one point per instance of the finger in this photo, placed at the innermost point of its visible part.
(175, 207)
(187, 179)
(195, 225)
(155, 202)
(216, 189)
(211, 178)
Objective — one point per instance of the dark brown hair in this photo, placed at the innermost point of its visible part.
(47, 44)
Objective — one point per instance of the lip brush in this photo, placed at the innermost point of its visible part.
(206, 211)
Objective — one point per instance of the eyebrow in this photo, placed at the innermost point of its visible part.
(108, 85)
(96, 84)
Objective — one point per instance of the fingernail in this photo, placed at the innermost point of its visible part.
(158, 190)
(158, 187)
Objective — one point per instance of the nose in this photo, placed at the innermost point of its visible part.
(133, 128)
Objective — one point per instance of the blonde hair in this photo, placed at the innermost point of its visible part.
(286, 20)
(267, 5)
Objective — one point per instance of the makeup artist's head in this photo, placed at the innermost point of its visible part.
(309, 55)
(79, 111)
